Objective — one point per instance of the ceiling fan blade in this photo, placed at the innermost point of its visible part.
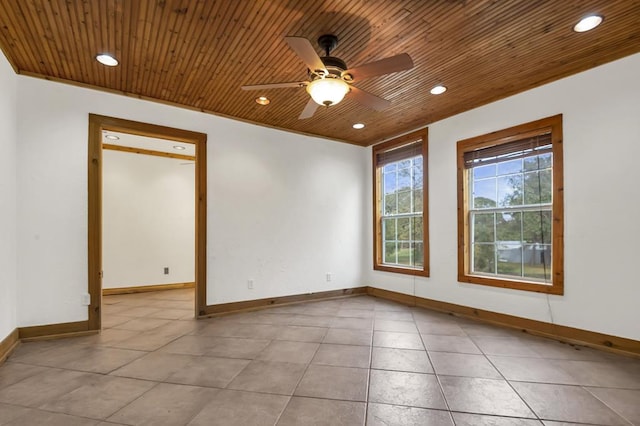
(369, 100)
(309, 110)
(389, 65)
(275, 85)
(303, 48)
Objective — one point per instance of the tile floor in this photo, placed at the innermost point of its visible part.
(350, 361)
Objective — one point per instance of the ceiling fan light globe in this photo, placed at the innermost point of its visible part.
(327, 91)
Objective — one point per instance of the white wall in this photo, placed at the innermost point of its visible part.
(283, 209)
(8, 140)
(601, 109)
(148, 220)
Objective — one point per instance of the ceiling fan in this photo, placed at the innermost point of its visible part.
(330, 79)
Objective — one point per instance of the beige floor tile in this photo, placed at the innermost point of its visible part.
(346, 336)
(344, 383)
(398, 415)
(165, 404)
(566, 403)
(532, 369)
(231, 347)
(466, 419)
(391, 339)
(39, 417)
(413, 361)
(172, 314)
(269, 377)
(312, 320)
(355, 313)
(459, 344)
(483, 396)
(138, 311)
(10, 412)
(241, 408)
(208, 371)
(302, 334)
(506, 346)
(603, 374)
(355, 323)
(409, 389)
(393, 325)
(142, 324)
(99, 359)
(98, 398)
(13, 372)
(437, 327)
(189, 345)
(322, 412)
(394, 315)
(110, 320)
(154, 366)
(625, 402)
(469, 365)
(43, 387)
(343, 355)
(283, 351)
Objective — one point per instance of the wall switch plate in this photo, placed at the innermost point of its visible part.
(85, 299)
(166, 270)
(329, 276)
(250, 284)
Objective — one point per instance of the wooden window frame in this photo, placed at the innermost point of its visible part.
(378, 265)
(554, 124)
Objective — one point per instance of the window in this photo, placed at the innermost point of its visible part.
(510, 208)
(400, 198)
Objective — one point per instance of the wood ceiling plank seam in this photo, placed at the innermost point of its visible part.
(167, 46)
(32, 32)
(146, 55)
(86, 10)
(103, 37)
(157, 38)
(199, 56)
(14, 47)
(129, 16)
(233, 86)
(63, 30)
(48, 38)
(138, 28)
(83, 61)
(189, 36)
(113, 30)
(221, 21)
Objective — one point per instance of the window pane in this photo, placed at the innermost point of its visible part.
(390, 205)
(537, 261)
(509, 167)
(416, 228)
(418, 254)
(484, 171)
(404, 228)
(417, 177)
(404, 254)
(509, 227)
(484, 193)
(510, 258)
(537, 162)
(389, 183)
(483, 227)
(484, 258)
(404, 202)
(537, 187)
(404, 163)
(417, 201)
(389, 229)
(510, 190)
(404, 179)
(536, 227)
(390, 252)
(391, 167)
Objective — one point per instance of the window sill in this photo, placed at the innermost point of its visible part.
(553, 288)
(401, 270)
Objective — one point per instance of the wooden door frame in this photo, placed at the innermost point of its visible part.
(98, 123)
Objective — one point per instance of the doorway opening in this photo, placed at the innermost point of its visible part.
(99, 126)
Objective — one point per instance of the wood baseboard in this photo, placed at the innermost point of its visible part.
(253, 305)
(563, 333)
(54, 331)
(146, 288)
(8, 345)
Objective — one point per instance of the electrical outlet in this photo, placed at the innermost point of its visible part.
(166, 270)
(85, 299)
(329, 276)
(250, 284)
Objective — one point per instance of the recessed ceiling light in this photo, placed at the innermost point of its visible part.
(358, 126)
(178, 147)
(107, 60)
(111, 137)
(438, 90)
(588, 23)
(263, 100)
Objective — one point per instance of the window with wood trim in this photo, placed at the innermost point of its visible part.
(400, 205)
(510, 208)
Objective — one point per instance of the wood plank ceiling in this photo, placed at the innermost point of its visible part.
(198, 53)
